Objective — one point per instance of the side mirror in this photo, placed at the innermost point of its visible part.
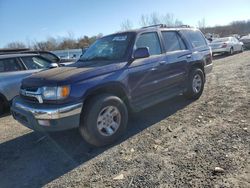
(141, 53)
(53, 65)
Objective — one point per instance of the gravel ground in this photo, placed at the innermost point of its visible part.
(179, 143)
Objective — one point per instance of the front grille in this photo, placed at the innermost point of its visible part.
(29, 99)
(26, 91)
(32, 89)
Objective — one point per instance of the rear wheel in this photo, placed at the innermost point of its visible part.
(104, 120)
(195, 84)
(231, 52)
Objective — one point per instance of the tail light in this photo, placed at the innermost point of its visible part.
(224, 45)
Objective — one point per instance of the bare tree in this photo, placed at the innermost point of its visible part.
(202, 23)
(237, 27)
(154, 19)
(144, 21)
(126, 25)
(16, 45)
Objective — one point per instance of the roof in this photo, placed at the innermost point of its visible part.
(8, 50)
(156, 28)
(16, 55)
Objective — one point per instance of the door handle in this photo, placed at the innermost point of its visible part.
(188, 56)
(162, 62)
(153, 69)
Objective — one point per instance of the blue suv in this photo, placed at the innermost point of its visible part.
(122, 72)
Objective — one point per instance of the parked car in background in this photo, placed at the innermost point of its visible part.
(15, 67)
(246, 41)
(51, 57)
(124, 71)
(228, 45)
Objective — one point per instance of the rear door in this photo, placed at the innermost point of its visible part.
(11, 74)
(200, 50)
(177, 57)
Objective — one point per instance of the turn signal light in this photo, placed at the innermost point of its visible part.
(65, 91)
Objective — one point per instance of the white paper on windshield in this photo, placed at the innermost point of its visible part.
(120, 38)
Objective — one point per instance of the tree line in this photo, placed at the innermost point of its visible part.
(53, 43)
(237, 27)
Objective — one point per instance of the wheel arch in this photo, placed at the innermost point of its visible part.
(114, 88)
(198, 65)
(4, 99)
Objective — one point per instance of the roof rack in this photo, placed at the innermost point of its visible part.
(157, 25)
(184, 26)
(165, 26)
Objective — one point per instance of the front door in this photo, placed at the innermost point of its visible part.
(145, 73)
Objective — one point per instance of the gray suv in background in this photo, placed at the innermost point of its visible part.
(15, 67)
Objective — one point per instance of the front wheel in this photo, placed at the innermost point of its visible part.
(242, 49)
(104, 120)
(195, 84)
(1, 106)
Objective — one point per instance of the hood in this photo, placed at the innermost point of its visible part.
(69, 74)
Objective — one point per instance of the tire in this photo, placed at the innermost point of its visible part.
(196, 76)
(242, 49)
(231, 52)
(2, 105)
(110, 110)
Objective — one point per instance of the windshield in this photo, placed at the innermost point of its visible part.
(35, 62)
(221, 40)
(108, 48)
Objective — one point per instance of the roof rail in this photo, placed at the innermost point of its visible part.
(157, 25)
(184, 26)
(165, 26)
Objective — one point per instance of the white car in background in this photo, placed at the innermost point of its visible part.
(246, 41)
(228, 45)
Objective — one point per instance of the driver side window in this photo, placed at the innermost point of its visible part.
(151, 41)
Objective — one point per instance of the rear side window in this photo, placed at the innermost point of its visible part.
(172, 41)
(9, 65)
(150, 40)
(196, 38)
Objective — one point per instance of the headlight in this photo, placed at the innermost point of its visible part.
(55, 93)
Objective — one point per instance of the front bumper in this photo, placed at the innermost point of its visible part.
(42, 117)
(208, 68)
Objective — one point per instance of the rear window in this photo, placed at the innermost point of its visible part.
(196, 38)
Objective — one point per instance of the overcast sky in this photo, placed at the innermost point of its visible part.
(29, 20)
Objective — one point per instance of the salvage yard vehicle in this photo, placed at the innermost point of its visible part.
(122, 72)
(15, 67)
(246, 41)
(228, 45)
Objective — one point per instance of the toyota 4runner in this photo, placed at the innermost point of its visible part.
(122, 72)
